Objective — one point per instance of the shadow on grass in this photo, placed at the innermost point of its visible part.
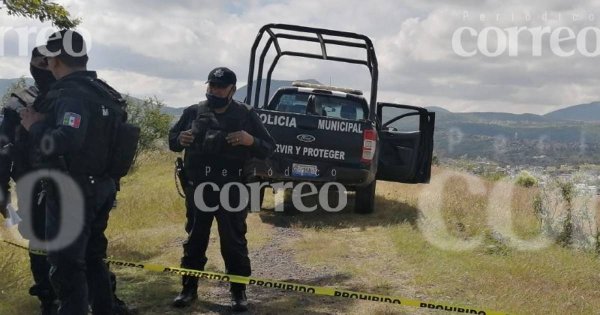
(152, 295)
(387, 212)
(120, 250)
(275, 301)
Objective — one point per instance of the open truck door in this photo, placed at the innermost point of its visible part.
(406, 143)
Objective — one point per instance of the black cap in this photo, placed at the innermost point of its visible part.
(36, 52)
(222, 76)
(64, 43)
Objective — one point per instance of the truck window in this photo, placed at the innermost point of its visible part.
(337, 107)
(323, 105)
(406, 124)
(292, 103)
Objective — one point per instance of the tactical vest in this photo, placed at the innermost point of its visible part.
(115, 140)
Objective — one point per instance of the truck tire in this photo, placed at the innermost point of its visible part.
(364, 202)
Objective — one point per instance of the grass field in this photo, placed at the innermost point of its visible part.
(384, 253)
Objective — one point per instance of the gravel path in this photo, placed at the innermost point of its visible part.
(273, 261)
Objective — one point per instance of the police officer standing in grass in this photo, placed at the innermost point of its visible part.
(218, 136)
(77, 131)
(15, 162)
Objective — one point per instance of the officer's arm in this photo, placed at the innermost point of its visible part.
(8, 126)
(67, 133)
(264, 144)
(180, 126)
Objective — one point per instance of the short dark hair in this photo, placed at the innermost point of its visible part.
(73, 62)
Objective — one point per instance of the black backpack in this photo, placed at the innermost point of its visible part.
(126, 136)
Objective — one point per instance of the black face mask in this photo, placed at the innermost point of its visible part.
(216, 102)
(43, 78)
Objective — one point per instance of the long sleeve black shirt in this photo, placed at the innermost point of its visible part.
(225, 166)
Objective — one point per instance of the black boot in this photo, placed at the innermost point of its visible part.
(189, 293)
(49, 304)
(49, 308)
(120, 308)
(239, 302)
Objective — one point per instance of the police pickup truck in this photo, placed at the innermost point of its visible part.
(330, 134)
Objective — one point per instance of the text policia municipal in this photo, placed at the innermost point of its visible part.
(323, 124)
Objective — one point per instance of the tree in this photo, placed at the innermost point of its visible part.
(153, 123)
(18, 85)
(42, 10)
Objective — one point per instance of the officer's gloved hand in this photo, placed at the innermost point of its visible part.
(186, 138)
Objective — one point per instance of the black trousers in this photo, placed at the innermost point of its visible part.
(78, 273)
(39, 265)
(232, 233)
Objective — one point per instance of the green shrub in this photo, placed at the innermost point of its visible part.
(154, 125)
(525, 179)
(18, 85)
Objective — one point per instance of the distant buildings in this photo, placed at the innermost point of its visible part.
(585, 178)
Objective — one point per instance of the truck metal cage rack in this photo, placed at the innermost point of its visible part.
(324, 37)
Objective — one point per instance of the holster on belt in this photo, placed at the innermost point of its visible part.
(181, 174)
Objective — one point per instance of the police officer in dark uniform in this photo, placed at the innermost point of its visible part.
(15, 162)
(80, 132)
(219, 135)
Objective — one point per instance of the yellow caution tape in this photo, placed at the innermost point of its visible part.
(289, 286)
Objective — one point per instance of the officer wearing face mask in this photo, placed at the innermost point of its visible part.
(15, 162)
(218, 136)
(79, 116)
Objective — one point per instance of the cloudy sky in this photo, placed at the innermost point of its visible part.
(166, 48)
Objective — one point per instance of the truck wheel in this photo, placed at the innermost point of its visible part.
(365, 199)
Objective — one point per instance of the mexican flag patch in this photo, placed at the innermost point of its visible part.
(72, 120)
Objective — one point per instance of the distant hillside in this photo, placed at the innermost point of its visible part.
(5, 84)
(241, 92)
(583, 112)
(437, 109)
(490, 116)
(482, 117)
(174, 111)
(569, 135)
(515, 139)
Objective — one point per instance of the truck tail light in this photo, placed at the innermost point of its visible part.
(369, 145)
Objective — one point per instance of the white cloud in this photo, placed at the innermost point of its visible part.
(171, 91)
(166, 48)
